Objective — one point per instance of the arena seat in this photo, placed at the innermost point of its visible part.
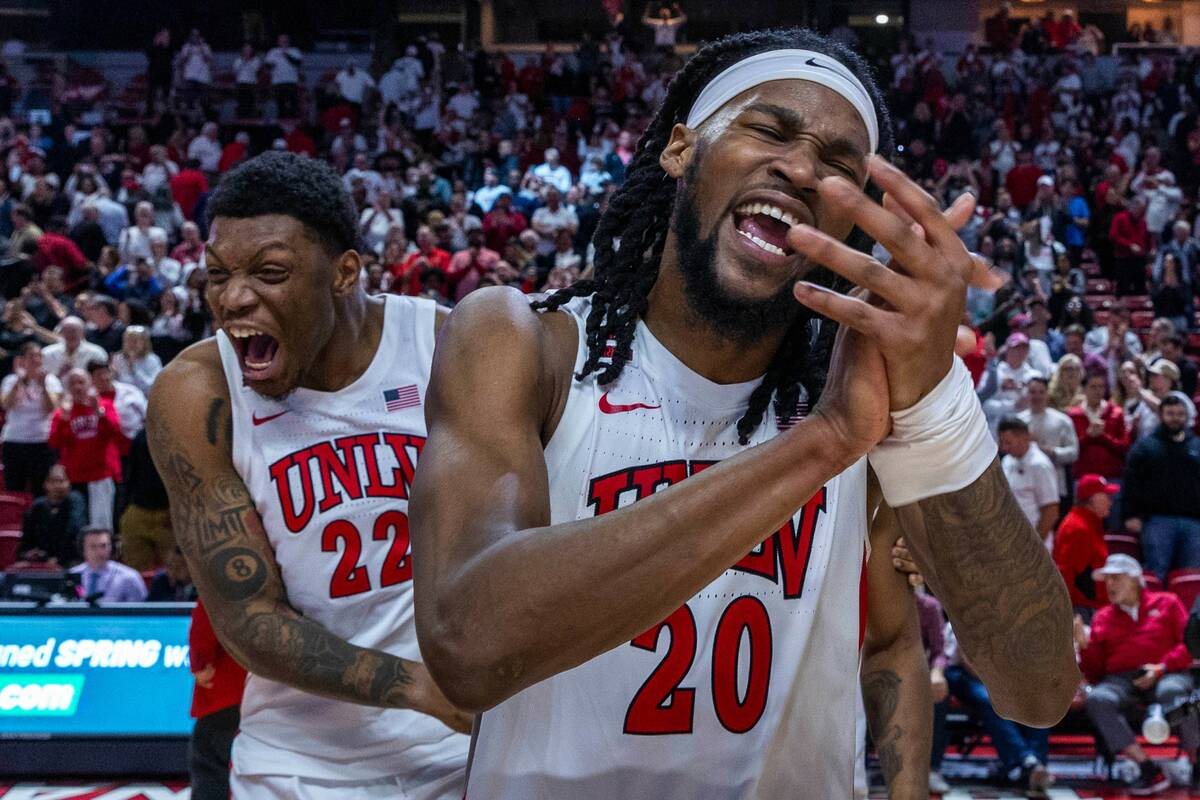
(1141, 319)
(1138, 302)
(1123, 543)
(1185, 584)
(9, 542)
(12, 508)
(1097, 302)
(1098, 286)
(1153, 582)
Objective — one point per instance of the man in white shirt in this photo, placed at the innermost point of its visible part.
(284, 61)
(551, 218)
(169, 270)
(205, 148)
(1053, 432)
(361, 171)
(486, 195)
(552, 173)
(1156, 184)
(127, 399)
(195, 59)
(73, 352)
(353, 84)
(1030, 475)
(463, 102)
(1012, 375)
(403, 79)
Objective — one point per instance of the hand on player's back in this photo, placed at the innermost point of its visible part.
(917, 300)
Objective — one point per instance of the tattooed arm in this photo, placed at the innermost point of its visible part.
(1003, 594)
(895, 675)
(189, 429)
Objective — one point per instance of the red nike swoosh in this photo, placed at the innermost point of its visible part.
(257, 420)
(609, 408)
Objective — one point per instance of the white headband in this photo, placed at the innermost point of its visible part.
(776, 65)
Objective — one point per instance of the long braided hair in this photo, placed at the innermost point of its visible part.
(630, 236)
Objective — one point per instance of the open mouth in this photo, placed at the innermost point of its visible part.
(765, 226)
(258, 352)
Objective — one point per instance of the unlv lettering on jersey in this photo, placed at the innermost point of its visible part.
(781, 557)
(349, 468)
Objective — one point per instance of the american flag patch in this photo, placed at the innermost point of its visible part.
(401, 398)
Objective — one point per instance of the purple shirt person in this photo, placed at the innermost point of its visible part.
(100, 576)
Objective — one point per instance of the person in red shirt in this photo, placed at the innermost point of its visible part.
(502, 223)
(55, 249)
(86, 431)
(1079, 548)
(1135, 653)
(467, 266)
(298, 141)
(407, 279)
(216, 702)
(1021, 181)
(187, 186)
(1101, 429)
(234, 153)
(1131, 247)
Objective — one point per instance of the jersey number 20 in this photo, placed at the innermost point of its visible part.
(662, 706)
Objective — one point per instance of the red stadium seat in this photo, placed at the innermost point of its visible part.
(1141, 319)
(1153, 583)
(12, 508)
(9, 541)
(1123, 543)
(1185, 584)
(1099, 286)
(1099, 301)
(1138, 302)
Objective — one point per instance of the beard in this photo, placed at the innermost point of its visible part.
(740, 319)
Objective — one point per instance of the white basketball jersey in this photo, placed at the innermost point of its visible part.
(747, 690)
(330, 474)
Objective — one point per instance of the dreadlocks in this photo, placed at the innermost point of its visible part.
(630, 236)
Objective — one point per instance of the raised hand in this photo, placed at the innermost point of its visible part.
(917, 300)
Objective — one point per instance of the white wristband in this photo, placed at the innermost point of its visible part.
(941, 444)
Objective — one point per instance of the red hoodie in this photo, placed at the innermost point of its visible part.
(1079, 548)
(1119, 644)
(88, 442)
(229, 678)
(1103, 455)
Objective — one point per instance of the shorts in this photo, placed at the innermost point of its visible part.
(285, 787)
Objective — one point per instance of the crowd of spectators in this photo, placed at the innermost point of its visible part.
(472, 168)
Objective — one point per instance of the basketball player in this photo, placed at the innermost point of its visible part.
(590, 514)
(287, 443)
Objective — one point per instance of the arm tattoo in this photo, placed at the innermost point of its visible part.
(1002, 592)
(214, 413)
(881, 696)
(221, 533)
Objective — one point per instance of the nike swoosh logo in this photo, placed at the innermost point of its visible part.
(257, 420)
(611, 408)
(812, 62)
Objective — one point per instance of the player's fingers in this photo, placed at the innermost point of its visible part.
(915, 200)
(896, 235)
(853, 265)
(960, 211)
(985, 276)
(852, 312)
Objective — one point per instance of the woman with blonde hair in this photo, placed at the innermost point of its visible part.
(136, 364)
(1066, 384)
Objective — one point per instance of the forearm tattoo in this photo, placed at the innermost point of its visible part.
(221, 534)
(1005, 598)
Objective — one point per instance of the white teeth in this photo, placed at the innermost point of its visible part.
(258, 364)
(770, 248)
(242, 331)
(770, 210)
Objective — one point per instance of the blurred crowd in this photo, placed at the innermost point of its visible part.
(471, 168)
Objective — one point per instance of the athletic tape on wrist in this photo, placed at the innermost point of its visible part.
(941, 444)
